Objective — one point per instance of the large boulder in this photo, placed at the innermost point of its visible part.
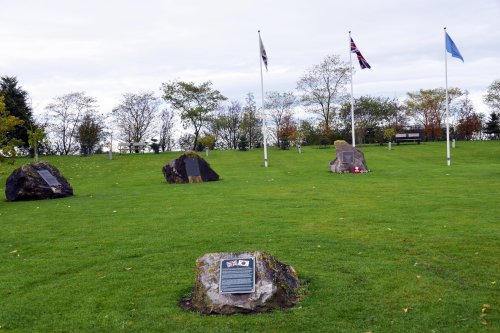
(275, 286)
(37, 181)
(348, 159)
(189, 168)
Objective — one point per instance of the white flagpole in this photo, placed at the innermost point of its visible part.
(448, 158)
(263, 115)
(352, 96)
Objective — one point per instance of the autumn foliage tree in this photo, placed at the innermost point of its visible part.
(428, 108)
(7, 124)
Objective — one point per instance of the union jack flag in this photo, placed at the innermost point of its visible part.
(232, 263)
(361, 59)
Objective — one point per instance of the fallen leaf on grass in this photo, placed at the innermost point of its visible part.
(128, 268)
(419, 277)
(405, 310)
(485, 307)
(493, 282)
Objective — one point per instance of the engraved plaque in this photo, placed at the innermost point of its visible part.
(237, 276)
(192, 167)
(49, 179)
(348, 157)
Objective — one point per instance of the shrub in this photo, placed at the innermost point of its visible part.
(243, 143)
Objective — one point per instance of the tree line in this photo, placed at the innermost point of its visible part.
(316, 113)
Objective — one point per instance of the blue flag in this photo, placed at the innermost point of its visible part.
(452, 48)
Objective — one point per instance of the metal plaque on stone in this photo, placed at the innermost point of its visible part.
(237, 276)
(348, 157)
(49, 178)
(192, 167)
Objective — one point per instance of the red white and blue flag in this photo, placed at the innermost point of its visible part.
(362, 61)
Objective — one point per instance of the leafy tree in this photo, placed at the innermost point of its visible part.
(370, 114)
(323, 88)
(195, 103)
(243, 143)
(469, 122)
(36, 138)
(428, 108)
(65, 115)
(16, 103)
(155, 146)
(287, 132)
(7, 124)
(492, 97)
(493, 125)
(279, 106)
(251, 124)
(136, 114)
(89, 134)
(206, 141)
(308, 133)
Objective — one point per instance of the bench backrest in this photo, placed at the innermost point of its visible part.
(401, 135)
(413, 135)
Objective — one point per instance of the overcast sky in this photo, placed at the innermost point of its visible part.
(107, 48)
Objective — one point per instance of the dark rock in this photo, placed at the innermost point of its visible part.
(189, 168)
(348, 159)
(275, 286)
(25, 183)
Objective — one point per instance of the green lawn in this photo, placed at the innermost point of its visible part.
(412, 246)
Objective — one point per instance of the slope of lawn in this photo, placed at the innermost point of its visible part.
(412, 246)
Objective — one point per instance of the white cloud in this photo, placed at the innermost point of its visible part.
(107, 48)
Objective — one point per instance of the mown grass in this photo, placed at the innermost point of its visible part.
(412, 246)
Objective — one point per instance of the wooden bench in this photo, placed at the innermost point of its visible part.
(408, 137)
(124, 147)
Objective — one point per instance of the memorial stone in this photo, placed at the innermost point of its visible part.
(348, 159)
(228, 283)
(36, 181)
(189, 168)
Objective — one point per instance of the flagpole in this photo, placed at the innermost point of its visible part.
(448, 158)
(263, 116)
(352, 96)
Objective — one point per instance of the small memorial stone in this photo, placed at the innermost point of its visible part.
(36, 181)
(348, 159)
(244, 282)
(189, 168)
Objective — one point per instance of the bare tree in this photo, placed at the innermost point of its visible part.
(64, 115)
(135, 115)
(251, 124)
(166, 141)
(492, 97)
(323, 87)
(280, 107)
(227, 124)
